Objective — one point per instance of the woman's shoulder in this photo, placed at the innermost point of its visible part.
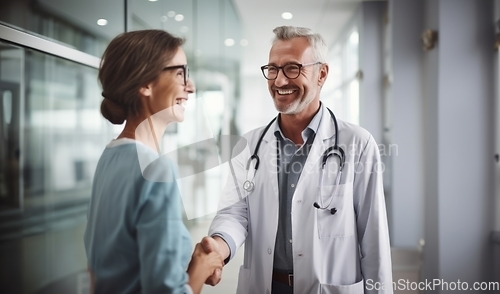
(133, 154)
(160, 170)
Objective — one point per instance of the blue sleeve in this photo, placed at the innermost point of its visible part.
(161, 242)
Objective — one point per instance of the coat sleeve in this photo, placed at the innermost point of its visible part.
(371, 220)
(231, 220)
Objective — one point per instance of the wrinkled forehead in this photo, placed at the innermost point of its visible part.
(296, 50)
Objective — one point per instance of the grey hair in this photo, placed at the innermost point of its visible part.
(320, 50)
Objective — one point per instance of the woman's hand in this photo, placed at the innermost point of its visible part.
(202, 266)
(216, 244)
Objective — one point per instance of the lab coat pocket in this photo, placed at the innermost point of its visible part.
(340, 223)
(243, 281)
(342, 289)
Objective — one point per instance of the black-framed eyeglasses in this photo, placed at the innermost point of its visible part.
(290, 70)
(185, 71)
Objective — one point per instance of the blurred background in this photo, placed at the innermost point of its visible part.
(420, 75)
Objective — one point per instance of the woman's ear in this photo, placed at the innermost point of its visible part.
(146, 91)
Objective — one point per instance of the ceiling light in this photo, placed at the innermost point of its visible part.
(102, 22)
(229, 42)
(153, 0)
(244, 42)
(286, 15)
(179, 17)
(163, 18)
(171, 14)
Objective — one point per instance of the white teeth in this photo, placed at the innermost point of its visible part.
(285, 92)
(181, 101)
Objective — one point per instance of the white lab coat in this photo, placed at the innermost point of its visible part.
(326, 255)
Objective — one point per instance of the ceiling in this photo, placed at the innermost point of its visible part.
(257, 20)
(260, 17)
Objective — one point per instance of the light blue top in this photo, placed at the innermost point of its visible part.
(136, 241)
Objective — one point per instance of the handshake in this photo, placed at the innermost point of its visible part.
(207, 262)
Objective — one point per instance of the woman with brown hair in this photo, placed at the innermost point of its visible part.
(135, 239)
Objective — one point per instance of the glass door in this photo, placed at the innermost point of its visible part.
(10, 153)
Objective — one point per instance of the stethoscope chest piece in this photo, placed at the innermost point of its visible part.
(248, 186)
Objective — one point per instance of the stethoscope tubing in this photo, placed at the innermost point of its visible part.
(334, 150)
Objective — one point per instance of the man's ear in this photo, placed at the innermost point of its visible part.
(323, 74)
(146, 90)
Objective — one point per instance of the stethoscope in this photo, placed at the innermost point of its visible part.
(334, 150)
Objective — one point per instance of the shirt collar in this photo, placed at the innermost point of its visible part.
(312, 127)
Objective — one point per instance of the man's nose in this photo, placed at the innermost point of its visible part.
(281, 79)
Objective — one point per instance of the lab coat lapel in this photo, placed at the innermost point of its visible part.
(268, 160)
(325, 135)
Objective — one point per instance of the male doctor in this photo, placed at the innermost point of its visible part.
(309, 225)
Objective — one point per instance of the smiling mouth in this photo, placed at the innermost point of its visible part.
(181, 101)
(285, 92)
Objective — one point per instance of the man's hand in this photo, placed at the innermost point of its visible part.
(210, 244)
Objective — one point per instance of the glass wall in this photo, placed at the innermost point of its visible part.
(52, 136)
(52, 133)
(69, 22)
(64, 133)
(341, 90)
(11, 62)
(210, 28)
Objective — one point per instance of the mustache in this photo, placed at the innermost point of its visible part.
(282, 88)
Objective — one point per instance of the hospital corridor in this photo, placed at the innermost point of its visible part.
(422, 77)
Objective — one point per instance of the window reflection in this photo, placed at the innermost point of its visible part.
(64, 132)
(201, 190)
(10, 91)
(71, 22)
(341, 90)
